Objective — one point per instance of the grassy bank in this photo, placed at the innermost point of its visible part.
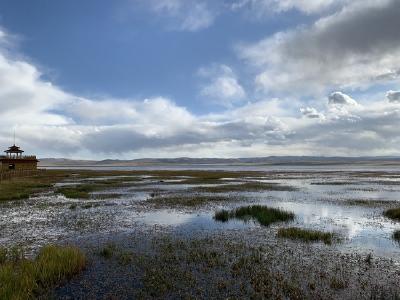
(262, 214)
(24, 187)
(21, 278)
(306, 235)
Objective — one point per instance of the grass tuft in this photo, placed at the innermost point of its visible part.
(306, 235)
(393, 214)
(222, 215)
(26, 279)
(396, 236)
(262, 214)
(108, 251)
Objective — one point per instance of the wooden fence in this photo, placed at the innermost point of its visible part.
(9, 174)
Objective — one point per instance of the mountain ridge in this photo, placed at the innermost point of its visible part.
(268, 160)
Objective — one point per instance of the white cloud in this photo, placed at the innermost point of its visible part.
(52, 122)
(222, 85)
(393, 96)
(341, 99)
(312, 113)
(305, 6)
(353, 48)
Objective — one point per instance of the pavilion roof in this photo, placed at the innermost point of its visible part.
(14, 149)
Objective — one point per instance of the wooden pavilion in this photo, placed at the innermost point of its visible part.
(15, 160)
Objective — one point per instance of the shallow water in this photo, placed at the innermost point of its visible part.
(244, 167)
(320, 203)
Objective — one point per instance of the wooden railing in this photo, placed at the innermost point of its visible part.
(9, 174)
(18, 157)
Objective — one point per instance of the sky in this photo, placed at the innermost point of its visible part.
(130, 79)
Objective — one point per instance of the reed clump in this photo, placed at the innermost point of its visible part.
(22, 278)
(396, 236)
(262, 214)
(393, 214)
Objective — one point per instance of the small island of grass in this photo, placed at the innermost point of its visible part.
(393, 214)
(396, 236)
(262, 214)
(306, 235)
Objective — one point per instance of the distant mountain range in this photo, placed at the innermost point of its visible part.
(271, 160)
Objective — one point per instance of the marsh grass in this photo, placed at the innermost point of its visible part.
(108, 250)
(3, 255)
(367, 203)
(393, 214)
(306, 235)
(77, 192)
(24, 187)
(396, 236)
(26, 279)
(222, 215)
(262, 214)
(83, 191)
(185, 200)
(245, 187)
(332, 183)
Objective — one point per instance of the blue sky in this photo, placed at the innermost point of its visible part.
(120, 49)
(229, 78)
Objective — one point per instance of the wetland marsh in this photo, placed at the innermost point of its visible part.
(158, 233)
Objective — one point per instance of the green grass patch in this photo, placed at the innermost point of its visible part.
(26, 279)
(396, 236)
(77, 192)
(245, 187)
(222, 215)
(306, 235)
(262, 214)
(393, 214)
(185, 200)
(24, 187)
